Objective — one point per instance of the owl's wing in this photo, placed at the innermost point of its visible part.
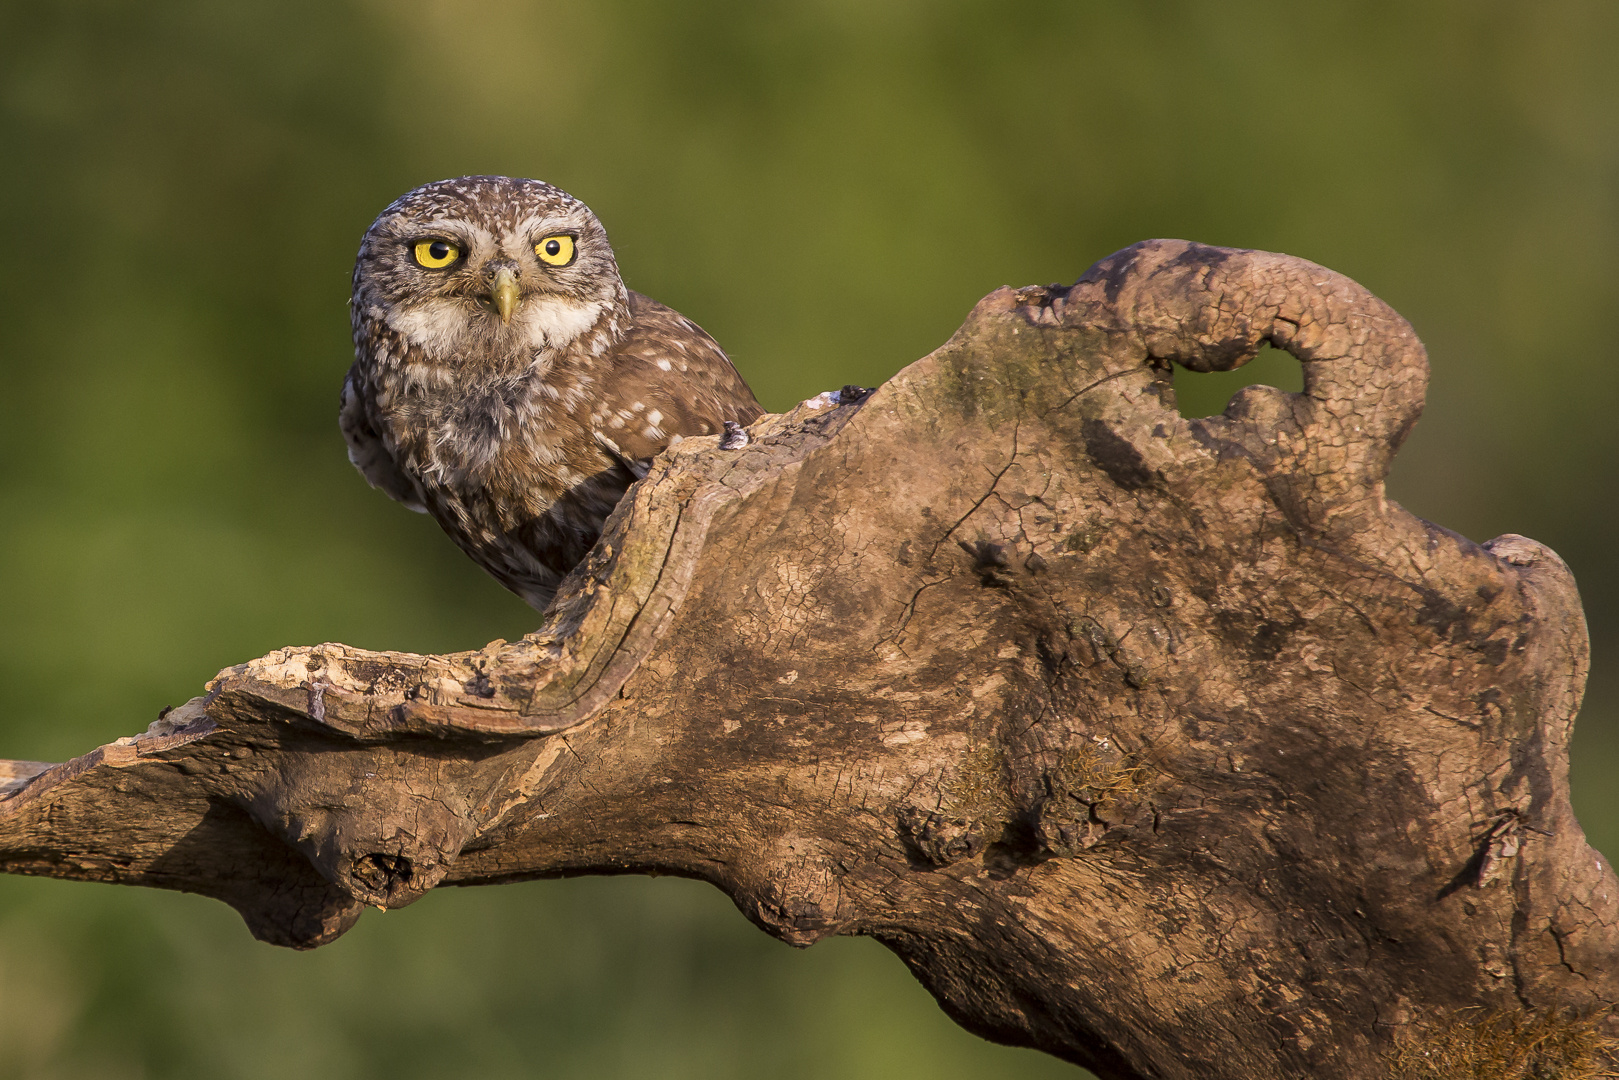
(367, 450)
(668, 379)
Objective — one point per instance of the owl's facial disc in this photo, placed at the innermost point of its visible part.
(487, 270)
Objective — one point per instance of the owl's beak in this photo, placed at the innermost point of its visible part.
(504, 293)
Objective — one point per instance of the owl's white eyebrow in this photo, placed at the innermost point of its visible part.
(448, 226)
(550, 225)
(469, 235)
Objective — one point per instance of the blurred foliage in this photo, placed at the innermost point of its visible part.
(827, 187)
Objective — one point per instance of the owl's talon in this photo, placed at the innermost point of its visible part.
(831, 399)
(734, 438)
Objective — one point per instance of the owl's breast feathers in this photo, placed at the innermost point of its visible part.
(522, 469)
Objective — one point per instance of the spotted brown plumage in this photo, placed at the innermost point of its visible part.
(506, 381)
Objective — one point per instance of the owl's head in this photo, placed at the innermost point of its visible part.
(486, 265)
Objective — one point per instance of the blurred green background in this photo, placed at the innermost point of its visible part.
(827, 187)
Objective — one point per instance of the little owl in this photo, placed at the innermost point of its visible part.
(507, 382)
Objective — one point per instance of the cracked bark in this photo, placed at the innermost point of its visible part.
(1171, 747)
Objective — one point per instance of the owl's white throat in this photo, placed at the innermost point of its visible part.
(542, 321)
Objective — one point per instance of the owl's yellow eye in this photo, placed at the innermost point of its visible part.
(436, 254)
(555, 250)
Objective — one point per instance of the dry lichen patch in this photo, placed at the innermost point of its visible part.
(975, 791)
(1545, 1045)
(1094, 777)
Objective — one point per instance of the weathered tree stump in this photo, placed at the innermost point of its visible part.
(1172, 747)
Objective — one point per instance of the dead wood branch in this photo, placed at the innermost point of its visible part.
(1169, 746)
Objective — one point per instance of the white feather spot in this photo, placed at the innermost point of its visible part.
(664, 365)
(654, 418)
(437, 325)
(444, 327)
(555, 321)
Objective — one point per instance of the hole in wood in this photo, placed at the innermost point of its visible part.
(1199, 394)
